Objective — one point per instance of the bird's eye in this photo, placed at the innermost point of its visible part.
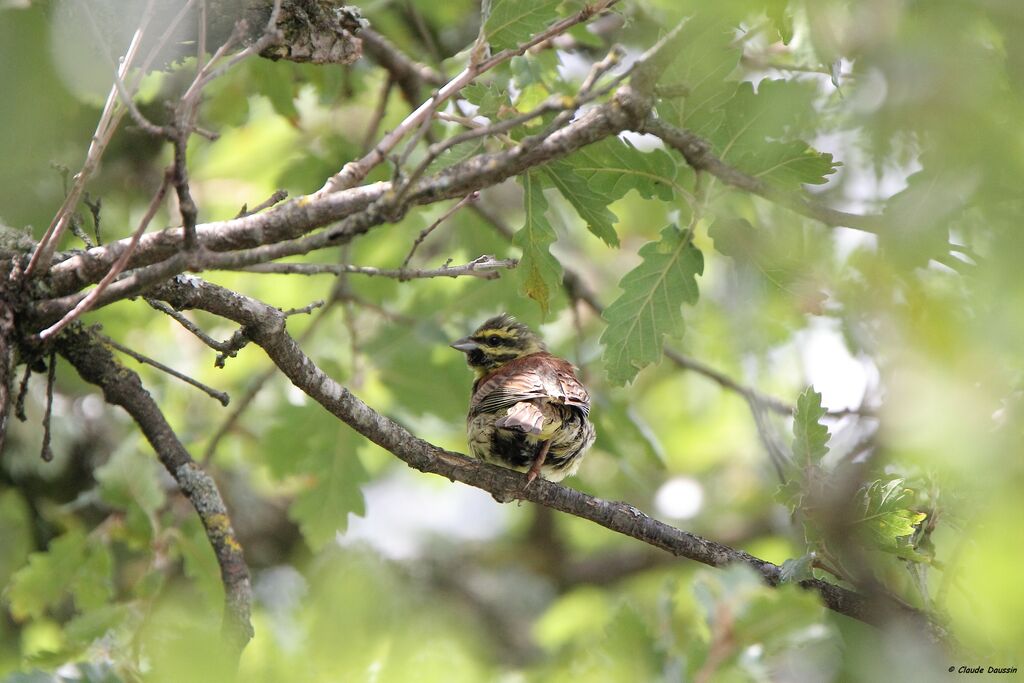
(494, 340)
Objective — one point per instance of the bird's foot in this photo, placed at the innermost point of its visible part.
(538, 462)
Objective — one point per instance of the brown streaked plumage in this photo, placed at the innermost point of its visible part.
(528, 410)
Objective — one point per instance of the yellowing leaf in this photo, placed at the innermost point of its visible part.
(539, 272)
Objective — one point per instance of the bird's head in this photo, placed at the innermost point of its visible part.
(496, 342)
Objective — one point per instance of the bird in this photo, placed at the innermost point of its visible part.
(528, 411)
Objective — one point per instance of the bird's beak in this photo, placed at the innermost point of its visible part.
(465, 345)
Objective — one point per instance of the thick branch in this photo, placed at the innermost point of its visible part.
(302, 215)
(122, 387)
(266, 326)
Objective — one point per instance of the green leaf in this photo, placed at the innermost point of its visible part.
(614, 166)
(810, 437)
(886, 520)
(649, 306)
(703, 65)
(511, 22)
(590, 205)
(604, 172)
(322, 510)
(199, 561)
(761, 133)
(16, 532)
(487, 97)
(128, 478)
(539, 273)
(312, 444)
(87, 627)
(456, 154)
(71, 565)
(798, 569)
(601, 173)
(923, 211)
(276, 81)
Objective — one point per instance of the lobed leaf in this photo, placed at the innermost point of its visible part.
(312, 444)
(887, 520)
(810, 437)
(649, 307)
(322, 510)
(71, 565)
(604, 172)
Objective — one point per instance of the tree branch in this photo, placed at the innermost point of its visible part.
(266, 326)
(122, 387)
(485, 267)
(698, 154)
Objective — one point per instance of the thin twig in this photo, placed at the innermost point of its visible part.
(19, 403)
(471, 197)
(86, 303)
(201, 43)
(94, 209)
(109, 119)
(485, 267)
(355, 171)
(78, 231)
(378, 114)
(208, 73)
(188, 325)
(209, 391)
(308, 308)
(46, 453)
(276, 198)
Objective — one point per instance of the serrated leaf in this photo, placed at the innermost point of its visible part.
(511, 22)
(614, 166)
(322, 510)
(71, 565)
(810, 437)
(91, 585)
(604, 172)
(797, 569)
(539, 273)
(649, 307)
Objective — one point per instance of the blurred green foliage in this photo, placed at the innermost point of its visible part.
(909, 111)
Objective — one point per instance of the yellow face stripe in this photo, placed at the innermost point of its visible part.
(507, 334)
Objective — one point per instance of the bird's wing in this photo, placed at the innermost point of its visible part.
(522, 417)
(538, 376)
